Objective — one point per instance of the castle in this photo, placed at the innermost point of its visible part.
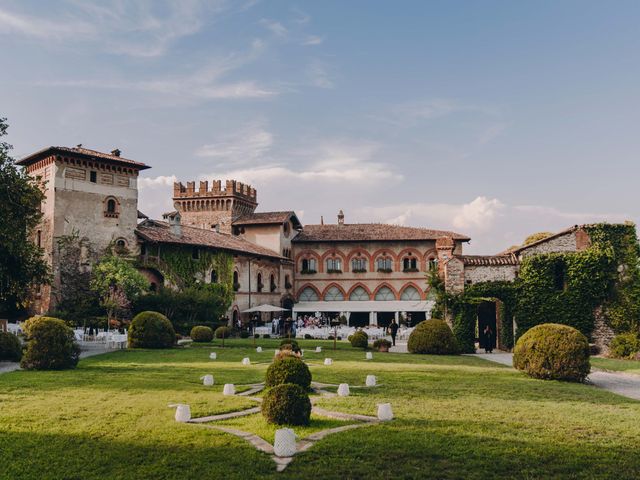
(371, 273)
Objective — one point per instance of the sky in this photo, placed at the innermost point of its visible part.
(495, 119)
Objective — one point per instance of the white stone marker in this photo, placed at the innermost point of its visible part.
(207, 380)
(259, 349)
(343, 390)
(371, 381)
(183, 412)
(229, 389)
(384, 412)
(246, 361)
(328, 361)
(276, 352)
(284, 444)
(213, 355)
(369, 355)
(318, 349)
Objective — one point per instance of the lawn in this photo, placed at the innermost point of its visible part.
(456, 417)
(614, 365)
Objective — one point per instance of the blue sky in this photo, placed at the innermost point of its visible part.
(492, 118)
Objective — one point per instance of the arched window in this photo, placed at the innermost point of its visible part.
(308, 295)
(308, 265)
(383, 264)
(433, 263)
(410, 264)
(287, 282)
(110, 207)
(236, 283)
(333, 295)
(260, 284)
(334, 265)
(272, 283)
(385, 294)
(214, 276)
(359, 265)
(359, 294)
(410, 293)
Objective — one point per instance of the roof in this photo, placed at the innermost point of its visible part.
(268, 218)
(546, 239)
(81, 152)
(156, 231)
(488, 260)
(358, 232)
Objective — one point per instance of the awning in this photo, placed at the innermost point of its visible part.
(365, 306)
(263, 308)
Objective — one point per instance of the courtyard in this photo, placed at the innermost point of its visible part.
(455, 417)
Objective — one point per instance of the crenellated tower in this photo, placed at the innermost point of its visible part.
(214, 208)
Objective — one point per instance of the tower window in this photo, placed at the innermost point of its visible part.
(111, 207)
(93, 176)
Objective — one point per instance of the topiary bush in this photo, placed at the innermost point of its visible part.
(287, 344)
(552, 351)
(359, 339)
(10, 347)
(286, 404)
(625, 345)
(201, 334)
(244, 334)
(433, 337)
(223, 332)
(288, 369)
(382, 345)
(151, 330)
(51, 345)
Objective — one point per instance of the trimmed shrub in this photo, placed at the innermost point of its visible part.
(286, 404)
(244, 334)
(151, 330)
(359, 339)
(266, 335)
(433, 337)
(223, 332)
(288, 369)
(287, 344)
(286, 354)
(256, 335)
(10, 347)
(382, 345)
(201, 334)
(308, 336)
(624, 345)
(51, 345)
(552, 351)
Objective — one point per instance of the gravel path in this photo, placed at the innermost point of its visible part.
(624, 384)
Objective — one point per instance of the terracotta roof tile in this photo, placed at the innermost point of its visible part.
(488, 260)
(356, 232)
(160, 232)
(83, 152)
(266, 218)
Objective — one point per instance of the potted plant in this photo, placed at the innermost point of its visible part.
(382, 345)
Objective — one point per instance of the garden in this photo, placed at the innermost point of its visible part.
(454, 417)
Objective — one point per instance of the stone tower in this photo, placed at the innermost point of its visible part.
(91, 194)
(214, 208)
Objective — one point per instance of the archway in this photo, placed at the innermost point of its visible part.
(487, 318)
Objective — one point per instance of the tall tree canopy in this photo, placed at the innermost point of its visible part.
(21, 261)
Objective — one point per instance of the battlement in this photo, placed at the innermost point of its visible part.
(232, 188)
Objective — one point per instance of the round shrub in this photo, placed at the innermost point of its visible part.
(151, 330)
(223, 332)
(382, 345)
(10, 347)
(51, 345)
(286, 353)
(553, 351)
(288, 369)
(287, 344)
(624, 345)
(359, 339)
(308, 336)
(286, 404)
(244, 334)
(433, 337)
(201, 334)
(266, 335)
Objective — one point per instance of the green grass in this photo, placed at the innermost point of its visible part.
(456, 417)
(615, 365)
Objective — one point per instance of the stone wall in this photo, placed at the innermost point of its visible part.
(489, 273)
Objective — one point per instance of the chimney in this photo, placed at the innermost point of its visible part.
(321, 220)
(341, 218)
(174, 224)
(116, 152)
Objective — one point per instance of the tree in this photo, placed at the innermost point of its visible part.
(22, 264)
(117, 283)
(536, 237)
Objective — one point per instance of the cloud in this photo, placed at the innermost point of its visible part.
(313, 40)
(245, 146)
(318, 74)
(274, 27)
(159, 181)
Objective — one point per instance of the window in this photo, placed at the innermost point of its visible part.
(93, 177)
(195, 253)
(111, 207)
(287, 282)
(384, 293)
(359, 265)
(383, 264)
(433, 263)
(286, 229)
(333, 295)
(410, 293)
(39, 238)
(236, 283)
(359, 294)
(308, 295)
(309, 265)
(143, 249)
(214, 276)
(121, 244)
(410, 264)
(334, 265)
(272, 283)
(260, 284)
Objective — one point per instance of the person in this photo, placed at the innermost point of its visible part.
(488, 339)
(393, 329)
